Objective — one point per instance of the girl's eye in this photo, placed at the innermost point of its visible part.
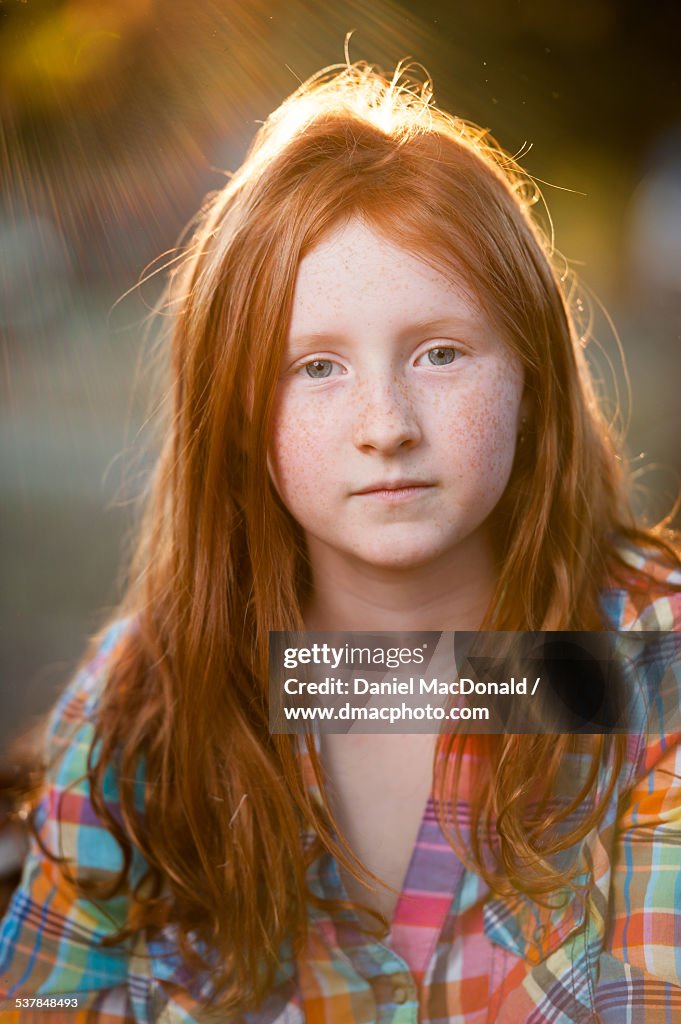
(318, 368)
(440, 356)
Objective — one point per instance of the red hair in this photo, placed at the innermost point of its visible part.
(220, 561)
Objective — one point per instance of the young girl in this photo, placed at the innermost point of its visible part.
(381, 419)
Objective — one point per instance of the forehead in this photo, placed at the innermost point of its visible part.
(356, 274)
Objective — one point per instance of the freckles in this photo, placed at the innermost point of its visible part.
(304, 463)
(483, 433)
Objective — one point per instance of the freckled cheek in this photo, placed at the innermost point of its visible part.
(301, 456)
(481, 432)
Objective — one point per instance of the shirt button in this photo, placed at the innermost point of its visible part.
(400, 994)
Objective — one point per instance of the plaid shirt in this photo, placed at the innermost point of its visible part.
(455, 953)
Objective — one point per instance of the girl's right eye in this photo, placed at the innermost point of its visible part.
(318, 369)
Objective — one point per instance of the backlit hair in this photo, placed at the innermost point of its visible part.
(220, 561)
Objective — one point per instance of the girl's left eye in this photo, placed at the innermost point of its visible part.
(318, 369)
(441, 355)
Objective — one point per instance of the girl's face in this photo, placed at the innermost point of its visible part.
(397, 408)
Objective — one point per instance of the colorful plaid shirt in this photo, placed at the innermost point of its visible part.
(455, 952)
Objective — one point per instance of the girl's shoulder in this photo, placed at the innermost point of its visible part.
(643, 609)
(80, 700)
(65, 817)
(645, 594)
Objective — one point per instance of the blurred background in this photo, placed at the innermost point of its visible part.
(119, 115)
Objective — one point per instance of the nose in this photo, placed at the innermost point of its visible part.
(385, 419)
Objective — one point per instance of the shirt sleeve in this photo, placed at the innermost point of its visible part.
(52, 962)
(641, 965)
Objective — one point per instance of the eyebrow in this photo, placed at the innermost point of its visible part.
(431, 325)
(303, 343)
(440, 324)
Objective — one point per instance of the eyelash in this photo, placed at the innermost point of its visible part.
(436, 348)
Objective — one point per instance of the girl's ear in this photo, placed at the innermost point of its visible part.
(524, 418)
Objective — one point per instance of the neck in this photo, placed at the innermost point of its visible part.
(450, 593)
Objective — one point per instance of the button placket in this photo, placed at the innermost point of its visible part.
(400, 994)
(403, 989)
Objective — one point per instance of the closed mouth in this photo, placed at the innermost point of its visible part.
(396, 487)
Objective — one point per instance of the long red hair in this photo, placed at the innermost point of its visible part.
(220, 561)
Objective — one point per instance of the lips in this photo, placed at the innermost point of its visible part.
(393, 485)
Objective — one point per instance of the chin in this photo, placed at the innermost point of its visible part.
(399, 558)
